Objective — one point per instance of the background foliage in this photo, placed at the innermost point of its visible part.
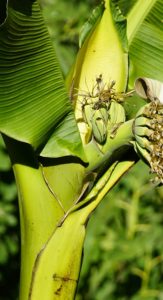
(123, 255)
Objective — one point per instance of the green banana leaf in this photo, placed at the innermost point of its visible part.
(33, 99)
(126, 6)
(145, 40)
(145, 44)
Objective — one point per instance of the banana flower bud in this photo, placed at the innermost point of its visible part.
(100, 73)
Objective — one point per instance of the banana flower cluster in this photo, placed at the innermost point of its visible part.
(148, 125)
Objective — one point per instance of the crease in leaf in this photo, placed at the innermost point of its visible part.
(68, 174)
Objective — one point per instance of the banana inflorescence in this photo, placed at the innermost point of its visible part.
(102, 110)
(148, 126)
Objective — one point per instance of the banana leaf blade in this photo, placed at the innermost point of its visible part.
(33, 99)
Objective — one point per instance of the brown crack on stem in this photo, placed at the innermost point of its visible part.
(61, 278)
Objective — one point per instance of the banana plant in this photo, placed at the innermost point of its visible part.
(71, 141)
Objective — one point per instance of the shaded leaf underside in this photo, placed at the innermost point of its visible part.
(3, 11)
(33, 99)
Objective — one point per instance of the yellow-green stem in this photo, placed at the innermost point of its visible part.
(57, 266)
(39, 212)
(38, 215)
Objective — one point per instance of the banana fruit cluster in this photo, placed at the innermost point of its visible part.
(148, 126)
(102, 110)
